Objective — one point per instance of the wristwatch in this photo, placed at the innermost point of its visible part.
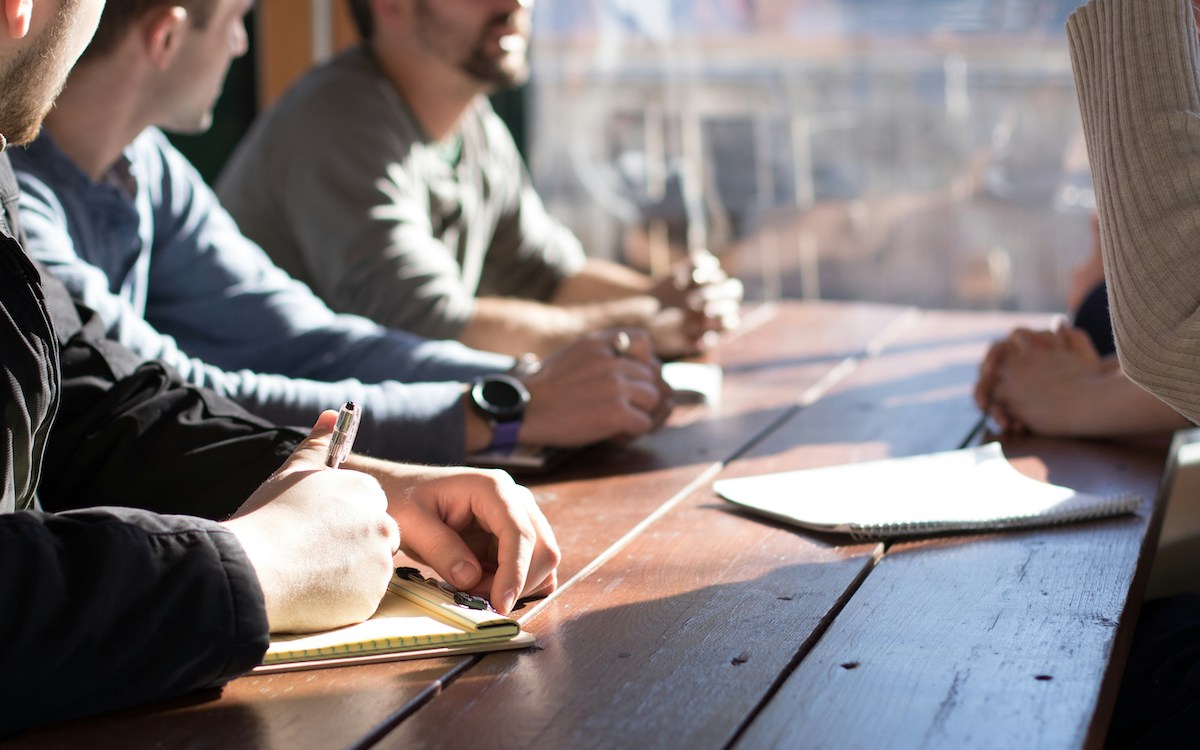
(501, 399)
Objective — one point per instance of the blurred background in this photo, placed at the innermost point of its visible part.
(912, 151)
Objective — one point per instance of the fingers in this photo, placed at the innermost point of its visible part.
(630, 343)
(310, 454)
(322, 545)
(527, 553)
(712, 308)
(986, 380)
(515, 553)
(1078, 340)
(641, 388)
(607, 385)
(714, 297)
(429, 539)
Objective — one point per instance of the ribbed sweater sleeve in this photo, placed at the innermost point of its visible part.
(1135, 65)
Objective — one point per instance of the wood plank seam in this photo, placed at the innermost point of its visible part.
(876, 556)
(376, 734)
(811, 395)
(840, 372)
(828, 381)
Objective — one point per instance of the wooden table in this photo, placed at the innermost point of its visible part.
(682, 623)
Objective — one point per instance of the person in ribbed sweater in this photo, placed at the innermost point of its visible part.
(1136, 72)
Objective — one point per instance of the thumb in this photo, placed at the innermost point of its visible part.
(310, 454)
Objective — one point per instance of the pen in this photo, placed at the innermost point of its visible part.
(343, 435)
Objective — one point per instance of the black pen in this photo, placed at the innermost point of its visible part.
(343, 435)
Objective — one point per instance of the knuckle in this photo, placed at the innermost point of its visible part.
(498, 477)
(385, 527)
(553, 553)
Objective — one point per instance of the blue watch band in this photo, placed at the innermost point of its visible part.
(504, 437)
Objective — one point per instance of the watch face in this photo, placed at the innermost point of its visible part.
(500, 396)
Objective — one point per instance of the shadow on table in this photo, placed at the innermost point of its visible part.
(939, 401)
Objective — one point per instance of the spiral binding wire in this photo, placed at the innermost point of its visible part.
(1114, 505)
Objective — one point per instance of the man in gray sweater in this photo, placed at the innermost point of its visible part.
(428, 221)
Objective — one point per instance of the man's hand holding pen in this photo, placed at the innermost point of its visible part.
(321, 542)
(477, 529)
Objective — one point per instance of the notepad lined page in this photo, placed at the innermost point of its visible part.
(399, 623)
(972, 488)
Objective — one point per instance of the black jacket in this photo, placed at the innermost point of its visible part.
(110, 607)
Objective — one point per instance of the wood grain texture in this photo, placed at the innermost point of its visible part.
(316, 709)
(592, 503)
(608, 490)
(1000, 640)
(686, 623)
(914, 393)
(670, 644)
(676, 640)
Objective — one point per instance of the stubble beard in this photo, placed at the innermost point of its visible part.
(493, 73)
(32, 80)
(497, 74)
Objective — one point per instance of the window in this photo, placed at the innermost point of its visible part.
(915, 151)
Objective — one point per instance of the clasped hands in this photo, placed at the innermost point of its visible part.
(1036, 381)
(697, 301)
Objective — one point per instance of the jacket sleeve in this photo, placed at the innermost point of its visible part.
(112, 607)
(128, 432)
(1135, 65)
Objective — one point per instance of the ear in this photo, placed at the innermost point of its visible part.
(161, 31)
(18, 14)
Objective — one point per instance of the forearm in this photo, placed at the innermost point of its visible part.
(115, 607)
(1115, 406)
(601, 281)
(1134, 62)
(515, 326)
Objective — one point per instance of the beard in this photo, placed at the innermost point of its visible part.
(33, 78)
(506, 70)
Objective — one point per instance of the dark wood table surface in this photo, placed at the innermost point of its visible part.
(683, 623)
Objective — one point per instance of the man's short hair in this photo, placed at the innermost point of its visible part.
(121, 15)
(360, 11)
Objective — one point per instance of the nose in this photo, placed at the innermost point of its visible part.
(238, 41)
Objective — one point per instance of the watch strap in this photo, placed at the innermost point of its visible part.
(504, 436)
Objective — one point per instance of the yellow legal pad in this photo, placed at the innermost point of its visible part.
(416, 619)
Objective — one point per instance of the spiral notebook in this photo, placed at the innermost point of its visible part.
(973, 489)
(418, 617)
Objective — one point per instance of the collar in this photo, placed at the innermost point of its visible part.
(122, 175)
